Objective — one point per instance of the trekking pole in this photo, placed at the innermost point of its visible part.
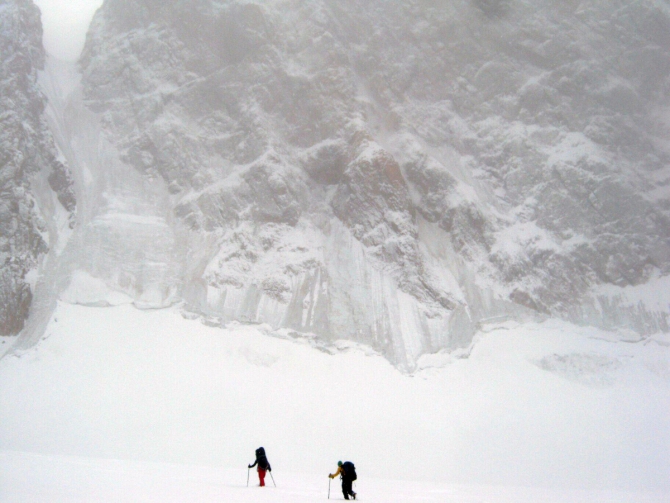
(248, 476)
(329, 479)
(273, 479)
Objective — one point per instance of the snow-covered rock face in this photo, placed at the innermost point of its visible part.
(34, 184)
(395, 172)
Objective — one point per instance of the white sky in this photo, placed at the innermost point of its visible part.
(65, 24)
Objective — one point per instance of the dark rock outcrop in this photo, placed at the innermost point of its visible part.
(27, 152)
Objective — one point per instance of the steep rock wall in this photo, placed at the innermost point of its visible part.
(395, 172)
(37, 200)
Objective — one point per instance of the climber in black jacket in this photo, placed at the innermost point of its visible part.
(263, 465)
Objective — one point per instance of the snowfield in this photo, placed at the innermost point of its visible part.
(30, 477)
(120, 404)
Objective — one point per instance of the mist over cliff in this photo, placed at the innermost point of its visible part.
(392, 173)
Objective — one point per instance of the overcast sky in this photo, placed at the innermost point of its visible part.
(65, 24)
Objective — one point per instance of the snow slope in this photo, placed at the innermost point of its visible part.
(30, 477)
(551, 406)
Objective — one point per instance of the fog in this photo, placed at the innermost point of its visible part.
(65, 24)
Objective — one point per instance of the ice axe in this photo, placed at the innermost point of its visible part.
(329, 479)
(248, 476)
(273, 479)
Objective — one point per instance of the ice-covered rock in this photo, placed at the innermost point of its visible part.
(392, 173)
(521, 134)
(37, 200)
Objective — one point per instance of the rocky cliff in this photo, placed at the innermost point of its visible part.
(392, 173)
(36, 190)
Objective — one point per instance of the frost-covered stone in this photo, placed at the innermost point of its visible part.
(30, 169)
(395, 172)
